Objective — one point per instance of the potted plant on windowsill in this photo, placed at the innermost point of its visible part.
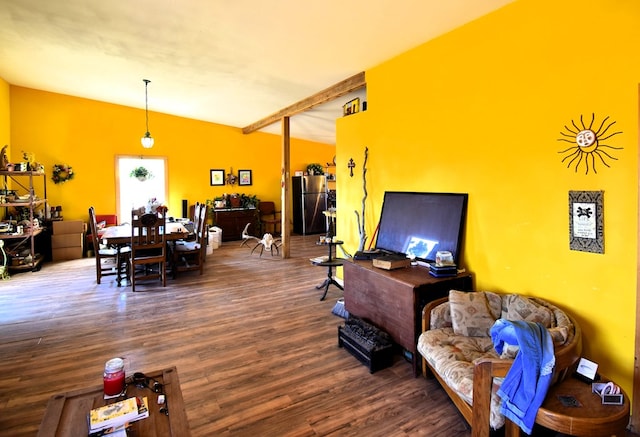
(140, 173)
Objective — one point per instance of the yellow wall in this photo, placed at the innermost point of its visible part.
(88, 134)
(480, 110)
(5, 119)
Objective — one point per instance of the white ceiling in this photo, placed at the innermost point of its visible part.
(232, 62)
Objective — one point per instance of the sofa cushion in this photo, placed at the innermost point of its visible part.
(561, 329)
(473, 314)
(440, 316)
(515, 307)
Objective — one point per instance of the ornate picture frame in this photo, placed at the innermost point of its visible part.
(216, 177)
(244, 177)
(586, 221)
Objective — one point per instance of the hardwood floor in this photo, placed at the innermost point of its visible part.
(255, 348)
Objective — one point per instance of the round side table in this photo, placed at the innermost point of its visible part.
(589, 419)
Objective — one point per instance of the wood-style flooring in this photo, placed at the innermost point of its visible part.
(255, 348)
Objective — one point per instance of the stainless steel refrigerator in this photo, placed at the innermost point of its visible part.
(309, 201)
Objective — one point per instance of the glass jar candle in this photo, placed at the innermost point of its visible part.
(114, 377)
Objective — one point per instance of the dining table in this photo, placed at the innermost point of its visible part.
(120, 236)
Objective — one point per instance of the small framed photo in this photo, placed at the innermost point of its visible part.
(244, 177)
(351, 107)
(217, 177)
(586, 221)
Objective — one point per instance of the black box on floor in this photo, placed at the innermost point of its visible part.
(370, 345)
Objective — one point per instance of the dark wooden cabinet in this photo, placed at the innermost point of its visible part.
(233, 220)
(393, 299)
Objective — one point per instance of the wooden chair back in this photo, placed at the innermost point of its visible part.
(191, 255)
(102, 254)
(268, 217)
(93, 229)
(148, 246)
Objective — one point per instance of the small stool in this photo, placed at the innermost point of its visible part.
(590, 419)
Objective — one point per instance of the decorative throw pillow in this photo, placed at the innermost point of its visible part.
(471, 314)
(516, 307)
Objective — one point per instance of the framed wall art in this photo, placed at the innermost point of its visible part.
(216, 177)
(244, 177)
(351, 107)
(586, 221)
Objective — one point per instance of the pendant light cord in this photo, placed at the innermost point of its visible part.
(146, 103)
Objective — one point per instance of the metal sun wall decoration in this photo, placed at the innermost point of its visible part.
(587, 144)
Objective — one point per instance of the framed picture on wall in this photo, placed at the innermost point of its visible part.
(217, 177)
(244, 177)
(586, 221)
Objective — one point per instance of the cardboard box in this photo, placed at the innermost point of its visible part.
(69, 227)
(66, 253)
(66, 240)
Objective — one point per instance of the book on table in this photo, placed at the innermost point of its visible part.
(391, 262)
(116, 417)
(443, 270)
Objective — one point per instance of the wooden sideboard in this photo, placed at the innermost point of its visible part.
(233, 220)
(393, 299)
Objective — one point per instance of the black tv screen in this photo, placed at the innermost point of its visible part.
(421, 224)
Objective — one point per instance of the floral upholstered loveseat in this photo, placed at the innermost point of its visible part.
(457, 348)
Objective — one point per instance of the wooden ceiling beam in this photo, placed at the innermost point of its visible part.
(346, 86)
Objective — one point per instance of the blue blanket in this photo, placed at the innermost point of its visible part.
(527, 382)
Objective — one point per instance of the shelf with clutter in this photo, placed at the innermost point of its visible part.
(23, 211)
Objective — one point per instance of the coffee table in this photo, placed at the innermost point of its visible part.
(66, 413)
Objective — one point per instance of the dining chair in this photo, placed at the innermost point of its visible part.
(268, 216)
(191, 255)
(103, 221)
(107, 258)
(148, 247)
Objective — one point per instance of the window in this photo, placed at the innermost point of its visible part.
(134, 192)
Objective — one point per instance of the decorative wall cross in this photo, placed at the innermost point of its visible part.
(351, 166)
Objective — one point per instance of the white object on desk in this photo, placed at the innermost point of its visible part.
(587, 369)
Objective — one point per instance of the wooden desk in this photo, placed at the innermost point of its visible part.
(393, 299)
(66, 414)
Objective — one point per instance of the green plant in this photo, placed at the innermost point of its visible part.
(249, 200)
(140, 172)
(315, 169)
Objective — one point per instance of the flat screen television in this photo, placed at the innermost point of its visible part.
(420, 224)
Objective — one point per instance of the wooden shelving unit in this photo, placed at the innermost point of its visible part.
(23, 183)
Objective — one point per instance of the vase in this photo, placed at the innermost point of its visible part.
(141, 178)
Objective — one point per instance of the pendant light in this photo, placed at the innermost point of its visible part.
(147, 140)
